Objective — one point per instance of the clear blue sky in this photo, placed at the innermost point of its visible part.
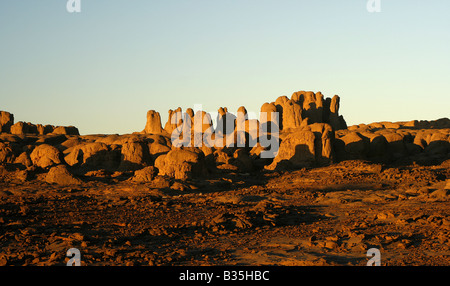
(103, 68)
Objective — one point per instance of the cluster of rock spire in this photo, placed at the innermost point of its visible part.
(7, 125)
(303, 108)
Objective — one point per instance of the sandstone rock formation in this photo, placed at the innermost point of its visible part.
(225, 122)
(290, 112)
(47, 129)
(252, 131)
(134, 156)
(202, 122)
(309, 130)
(269, 119)
(23, 160)
(93, 156)
(174, 120)
(324, 140)
(153, 125)
(307, 147)
(61, 176)
(309, 107)
(391, 141)
(45, 156)
(304, 108)
(21, 127)
(145, 175)
(298, 149)
(157, 148)
(7, 125)
(6, 153)
(202, 130)
(336, 121)
(6, 121)
(67, 130)
(351, 146)
(182, 164)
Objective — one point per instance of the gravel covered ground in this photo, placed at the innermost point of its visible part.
(322, 216)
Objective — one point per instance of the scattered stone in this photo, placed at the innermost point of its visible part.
(331, 245)
(146, 174)
(441, 194)
(61, 176)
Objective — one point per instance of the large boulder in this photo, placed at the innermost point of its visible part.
(6, 153)
(296, 150)
(46, 156)
(94, 156)
(66, 130)
(182, 164)
(351, 146)
(6, 121)
(61, 176)
(378, 148)
(308, 146)
(422, 138)
(396, 144)
(21, 128)
(135, 155)
(156, 149)
(23, 160)
(145, 175)
(439, 143)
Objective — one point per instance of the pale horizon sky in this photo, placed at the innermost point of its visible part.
(102, 69)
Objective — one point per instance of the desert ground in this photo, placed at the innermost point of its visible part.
(331, 193)
(324, 216)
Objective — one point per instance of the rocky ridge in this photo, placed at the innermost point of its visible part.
(310, 133)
